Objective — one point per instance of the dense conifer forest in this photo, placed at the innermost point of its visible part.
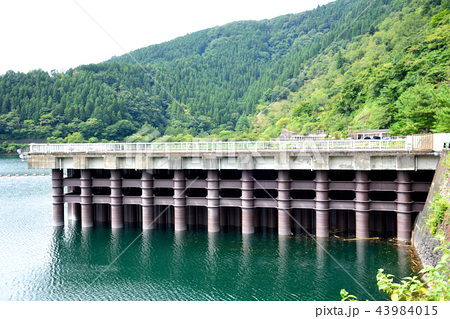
(377, 63)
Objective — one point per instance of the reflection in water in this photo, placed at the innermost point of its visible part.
(212, 268)
(57, 239)
(283, 269)
(244, 280)
(105, 264)
(86, 244)
(360, 275)
(55, 253)
(177, 265)
(246, 252)
(69, 233)
(146, 250)
(108, 264)
(403, 258)
(212, 257)
(114, 244)
(320, 279)
(361, 256)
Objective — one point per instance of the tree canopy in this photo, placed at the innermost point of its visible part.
(383, 63)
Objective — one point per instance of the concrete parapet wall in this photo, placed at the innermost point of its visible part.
(271, 160)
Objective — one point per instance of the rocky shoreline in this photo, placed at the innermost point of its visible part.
(423, 240)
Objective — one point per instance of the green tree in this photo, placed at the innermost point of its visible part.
(242, 125)
(442, 116)
(120, 130)
(75, 137)
(91, 128)
(416, 110)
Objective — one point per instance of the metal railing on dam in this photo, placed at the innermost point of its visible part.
(318, 145)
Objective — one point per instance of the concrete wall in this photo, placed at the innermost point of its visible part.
(276, 160)
(422, 239)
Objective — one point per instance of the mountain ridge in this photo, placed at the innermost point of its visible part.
(247, 80)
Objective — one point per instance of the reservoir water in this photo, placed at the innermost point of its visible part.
(39, 262)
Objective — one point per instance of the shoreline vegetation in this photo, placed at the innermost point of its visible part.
(10, 148)
(433, 282)
(308, 72)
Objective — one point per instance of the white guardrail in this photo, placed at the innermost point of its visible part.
(320, 145)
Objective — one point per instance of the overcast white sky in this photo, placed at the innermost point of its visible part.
(62, 34)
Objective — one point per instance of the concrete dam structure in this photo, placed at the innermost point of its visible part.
(363, 188)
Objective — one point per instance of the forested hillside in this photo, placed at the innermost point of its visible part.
(104, 101)
(395, 76)
(386, 60)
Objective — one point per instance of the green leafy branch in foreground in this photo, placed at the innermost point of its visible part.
(435, 285)
(434, 282)
(347, 297)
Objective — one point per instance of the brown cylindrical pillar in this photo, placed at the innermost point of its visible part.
(132, 214)
(57, 198)
(404, 205)
(306, 220)
(362, 224)
(116, 199)
(238, 217)
(231, 216)
(322, 204)
(342, 220)
(159, 215)
(192, 216)
(269, 219)
(70, 209)
(247, 202)
(284, 203)
(87, 214)
(147, 200)
(223, 217)
(362, 204)
(70, 206)
(213, 201)
(205, 216)
(74, 211)
(380, 223)
(126, 213)
(179, 196)
(101, 213)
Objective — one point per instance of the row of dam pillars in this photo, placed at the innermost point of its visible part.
(85, 209)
